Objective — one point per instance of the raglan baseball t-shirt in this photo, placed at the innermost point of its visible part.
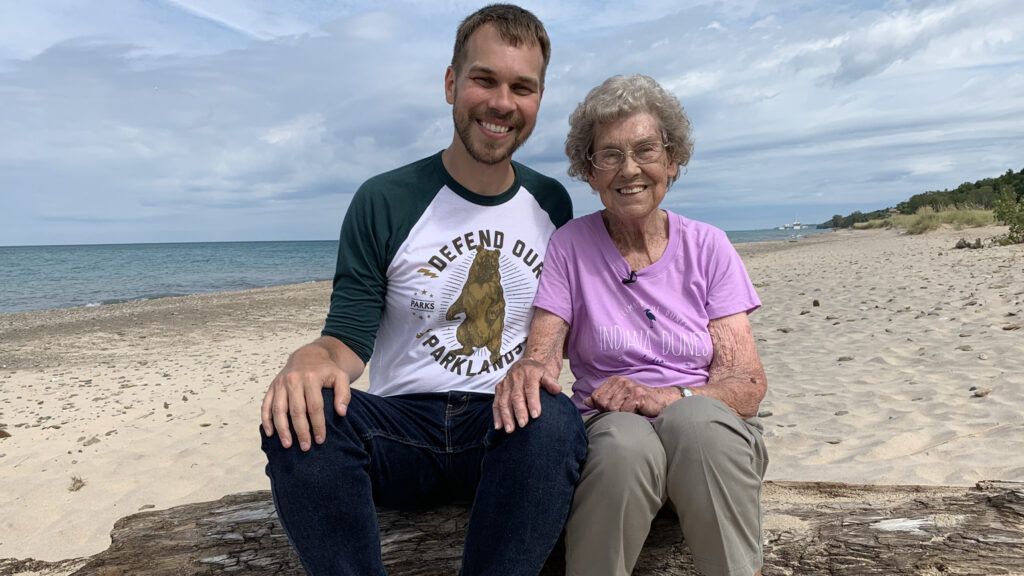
(653, 330)
(434, 283)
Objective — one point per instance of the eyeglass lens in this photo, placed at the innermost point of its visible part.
(642, 154)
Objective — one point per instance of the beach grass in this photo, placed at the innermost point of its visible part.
(873, 224)
(927, 219)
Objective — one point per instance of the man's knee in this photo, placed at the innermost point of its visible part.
(559, 419)
(291, 466)
(339, 429)
(558, 429)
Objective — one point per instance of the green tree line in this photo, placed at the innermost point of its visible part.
(984, 194)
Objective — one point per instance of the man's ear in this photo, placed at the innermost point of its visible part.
(449, 85)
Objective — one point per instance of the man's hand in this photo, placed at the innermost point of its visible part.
(517, 396)
(295, 394)
(621, 394)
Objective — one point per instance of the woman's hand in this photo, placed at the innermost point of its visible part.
(622, 394)
(517, 396)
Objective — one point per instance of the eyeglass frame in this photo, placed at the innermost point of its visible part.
(631, 153)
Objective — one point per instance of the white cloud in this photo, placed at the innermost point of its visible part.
(768, 22)
(269, 115)
(375, 27)
(800, 52)
(213, 16)
(303, 130)
(692, 83)
(929, 165)
(897, 37)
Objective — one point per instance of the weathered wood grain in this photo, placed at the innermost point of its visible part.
(809, 528)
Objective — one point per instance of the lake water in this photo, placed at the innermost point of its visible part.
(43, 277)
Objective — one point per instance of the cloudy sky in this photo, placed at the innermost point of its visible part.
(190, 120)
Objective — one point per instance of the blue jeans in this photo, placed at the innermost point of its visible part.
(420, 450)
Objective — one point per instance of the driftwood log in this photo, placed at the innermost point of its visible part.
(809, 528)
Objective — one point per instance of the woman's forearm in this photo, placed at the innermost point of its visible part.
(546, 339)
(736, 375)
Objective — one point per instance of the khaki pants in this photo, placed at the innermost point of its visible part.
(697, 456)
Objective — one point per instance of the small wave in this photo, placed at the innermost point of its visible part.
(142, 298)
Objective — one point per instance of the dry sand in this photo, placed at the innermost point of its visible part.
(909, 371)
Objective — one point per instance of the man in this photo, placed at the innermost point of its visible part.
(437, 267)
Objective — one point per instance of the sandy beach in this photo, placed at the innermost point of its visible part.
(891, 359)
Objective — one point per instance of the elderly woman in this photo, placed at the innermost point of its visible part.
(654, 306)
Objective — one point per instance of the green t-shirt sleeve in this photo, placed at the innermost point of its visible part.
(360, 277)
(379, 218)
(549, 193)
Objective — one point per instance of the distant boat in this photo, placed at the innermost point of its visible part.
(795, 225)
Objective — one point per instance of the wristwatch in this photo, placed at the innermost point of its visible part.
(684, 391)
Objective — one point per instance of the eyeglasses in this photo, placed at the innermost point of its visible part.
(613, 159)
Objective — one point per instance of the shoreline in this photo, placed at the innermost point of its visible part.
(155, 403)
(743, 248)
(170, 290)
(156, 297)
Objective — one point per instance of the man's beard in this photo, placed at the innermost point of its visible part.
(480, 151)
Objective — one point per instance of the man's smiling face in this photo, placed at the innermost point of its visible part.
(495, 95)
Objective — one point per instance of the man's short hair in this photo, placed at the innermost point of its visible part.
(515, 25)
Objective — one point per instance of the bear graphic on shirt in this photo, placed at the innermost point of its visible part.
(482, 302)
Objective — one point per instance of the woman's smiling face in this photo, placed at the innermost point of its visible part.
(632, 191)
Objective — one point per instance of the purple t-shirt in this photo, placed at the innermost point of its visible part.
(653, 330)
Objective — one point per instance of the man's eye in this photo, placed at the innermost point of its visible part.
(523, 90)
(484, 81)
